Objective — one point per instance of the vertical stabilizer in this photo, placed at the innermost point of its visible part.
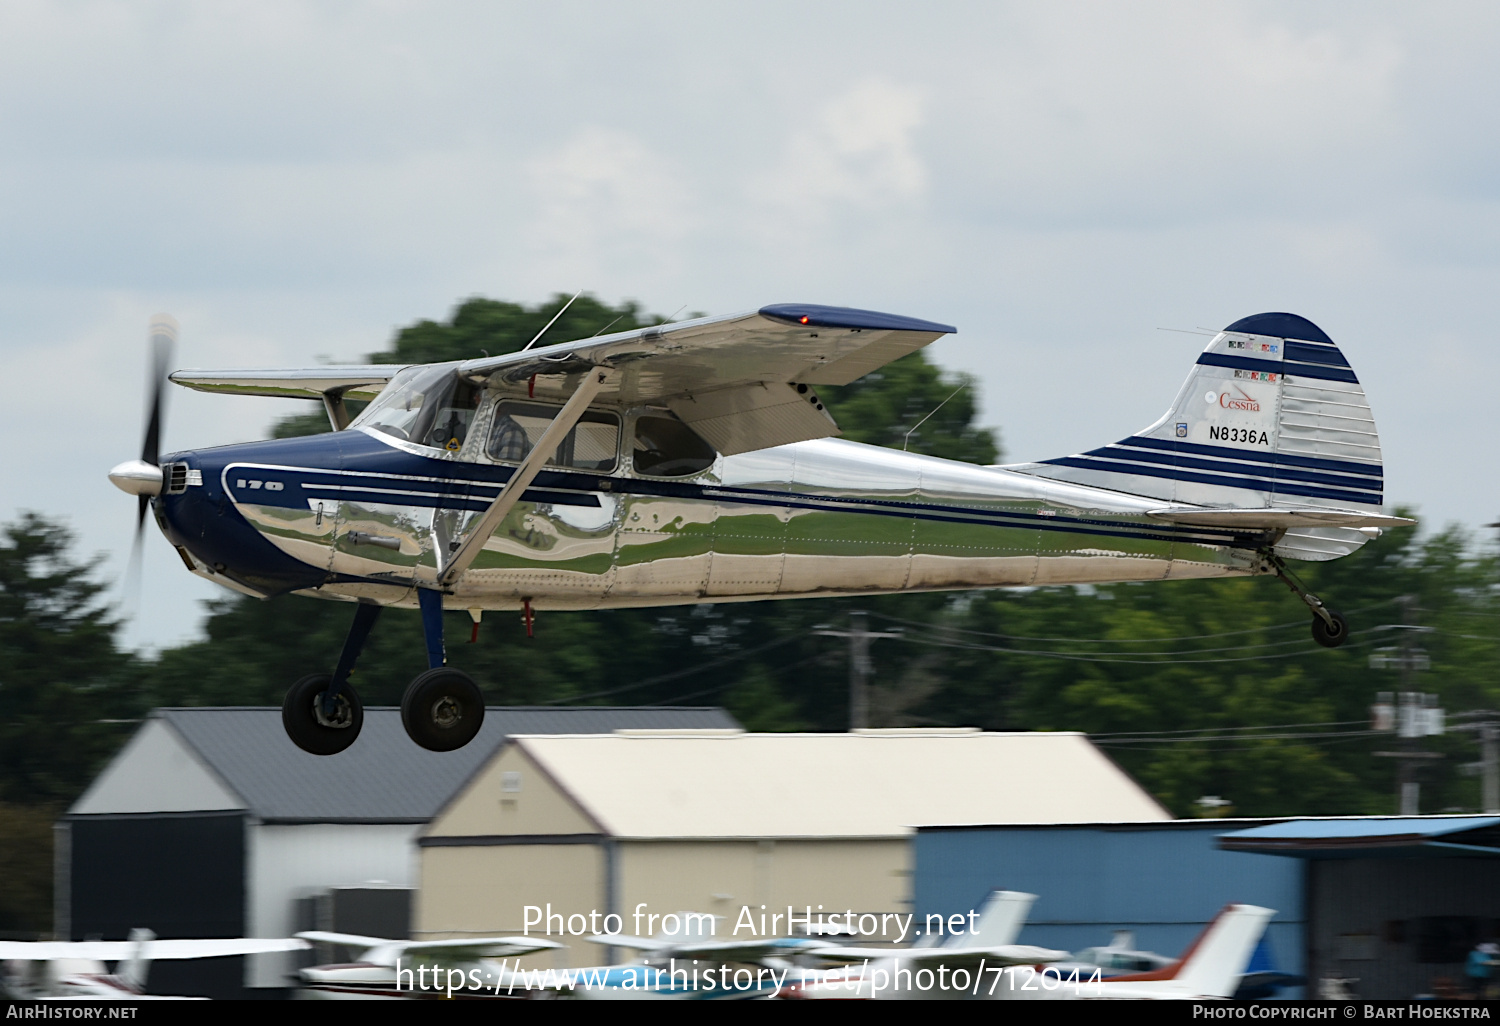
(1000, 920)
(132, 970)
(1271, 415)
(1212, 967)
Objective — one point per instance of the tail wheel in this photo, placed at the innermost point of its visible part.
(1330, 635)
(310, 727)
(442, 709)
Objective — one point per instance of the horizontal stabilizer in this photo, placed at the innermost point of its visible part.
(1275, 519)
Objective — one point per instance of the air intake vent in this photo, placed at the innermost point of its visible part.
(176, 476)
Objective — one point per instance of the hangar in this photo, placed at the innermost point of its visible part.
(209, 822)
(720, 821)
(1392, 905)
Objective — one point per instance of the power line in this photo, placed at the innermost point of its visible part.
(1069, 657)
(1199, 730)
(711, 664)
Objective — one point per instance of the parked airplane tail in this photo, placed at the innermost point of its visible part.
(133, 970)
(1272, 425)
(1213, 964)
(1000, 920)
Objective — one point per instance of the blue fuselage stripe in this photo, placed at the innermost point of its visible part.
(1288, 367)
(1278, 458)
(1251, 484)
(1269, 473)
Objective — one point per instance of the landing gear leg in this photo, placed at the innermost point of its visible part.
(1329, 628)
(322, 714)
(443, 708)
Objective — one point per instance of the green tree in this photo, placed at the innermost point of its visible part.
(64, 683)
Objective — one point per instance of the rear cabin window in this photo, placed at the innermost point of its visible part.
(593, 444)
(666, 447)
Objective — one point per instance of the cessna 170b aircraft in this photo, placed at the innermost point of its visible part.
(693, 462)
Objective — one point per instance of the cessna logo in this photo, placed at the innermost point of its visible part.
(1239, 402)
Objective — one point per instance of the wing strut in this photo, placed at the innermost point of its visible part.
(564, 422)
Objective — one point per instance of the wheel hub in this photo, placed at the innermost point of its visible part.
(342, 718)
(446, 712)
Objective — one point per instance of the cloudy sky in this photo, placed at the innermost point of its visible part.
(1059, 180)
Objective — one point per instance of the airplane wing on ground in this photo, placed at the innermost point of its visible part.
(714, 950)
(953, 958)
(382, 951)
(156, 950)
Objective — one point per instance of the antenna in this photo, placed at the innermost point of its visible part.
(552, 321)
(906, 440)
(669, 316)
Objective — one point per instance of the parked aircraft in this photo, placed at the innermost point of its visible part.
(979, 949)
(1212, 967)
(75, 969)
(693, 462)
(386, 968)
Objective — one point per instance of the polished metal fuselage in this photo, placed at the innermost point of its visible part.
(825, 517)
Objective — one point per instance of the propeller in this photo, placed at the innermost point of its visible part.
(143, 477)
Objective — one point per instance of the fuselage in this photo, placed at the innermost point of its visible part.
(358, 514)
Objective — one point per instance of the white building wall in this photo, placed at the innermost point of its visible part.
(285, 862)
(156, 772)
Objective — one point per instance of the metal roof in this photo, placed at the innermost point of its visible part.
(876, 783)
(384, 777)
(1372, 836)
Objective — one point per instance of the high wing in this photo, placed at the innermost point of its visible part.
(381, 951)
(112, 951)
(356, 382)
(743, 382)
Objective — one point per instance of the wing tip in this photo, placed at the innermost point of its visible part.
(816, 316)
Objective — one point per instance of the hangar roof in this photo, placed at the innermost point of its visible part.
(211, 759)
(1373, 837)
(868, 784)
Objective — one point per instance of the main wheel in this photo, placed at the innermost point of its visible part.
(310, 730)
(442, 709)
(1330, 637)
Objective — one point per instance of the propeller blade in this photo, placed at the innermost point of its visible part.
(163, 340)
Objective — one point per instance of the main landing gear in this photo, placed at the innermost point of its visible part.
(442, 709)
(1329, 628)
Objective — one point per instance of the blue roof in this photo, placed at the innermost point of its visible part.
(815, 316)
(1370, 836)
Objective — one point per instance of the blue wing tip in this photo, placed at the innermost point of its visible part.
(815, 316)
(1280, 325)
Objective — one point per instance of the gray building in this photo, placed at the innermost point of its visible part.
(1393, 904)
(211, 823)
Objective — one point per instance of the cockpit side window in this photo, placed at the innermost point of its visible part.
(431, 406)
(666, 447)
(593, 444)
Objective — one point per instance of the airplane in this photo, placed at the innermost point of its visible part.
(385, 968)
(1212, 967)
(1261, 978)
(886, 974)
(75, 969)
(694, 462)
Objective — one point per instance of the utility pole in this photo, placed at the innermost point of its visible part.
(1415, 716)
(860, 667)
(1485, 726)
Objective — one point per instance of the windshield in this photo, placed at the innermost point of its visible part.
(431, 406)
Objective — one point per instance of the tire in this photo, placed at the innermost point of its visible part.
(442, 709)
(1330, 637)
(302, 716)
